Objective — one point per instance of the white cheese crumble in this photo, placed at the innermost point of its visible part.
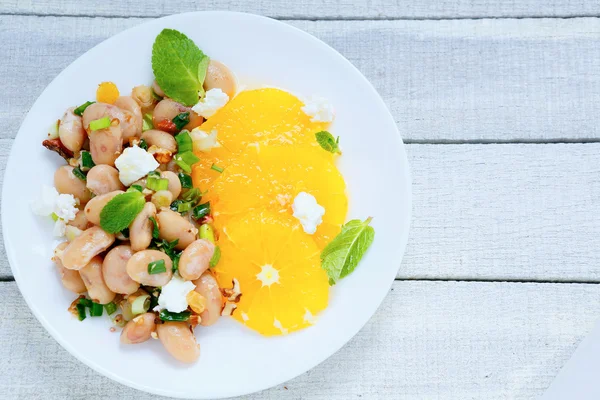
(318, 109)
(214, 100)
(173, 295)
(62, 207)
(204, 141)
(308, 212)
(134, 164)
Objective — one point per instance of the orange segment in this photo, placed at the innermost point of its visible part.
(278, 267)
(107, 92)
(265, 116)
(270, 177)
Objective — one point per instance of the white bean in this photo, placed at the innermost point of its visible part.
(106, 145)
(139, 329)
(137, 268)
(218, 76)
(179, 340)
(174, 183)
(173, 226)
(161, 139)
(132, 126)
(195, 259)
(71, 132)
(102, 179)
(208, 287)
(67, 183)
(140, 230)
(114, 270)
(94, 281)
(70, 279)
(94, 207)
(86, 246)
(80, 221)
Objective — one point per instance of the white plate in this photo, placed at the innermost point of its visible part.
(234, 360)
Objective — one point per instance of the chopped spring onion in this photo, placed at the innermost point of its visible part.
(155, 231)
(110, 308)
(147, 123)
(215, 258)
(53, 130)
(80, 311)
(184, 142)
(139, 188)
(79, 110)
(181, 120)
(185, 180)
(175, 205)
(186, 160)
(154, 298)
(96, 310)
(154, 174)
(184, 206)
(79, 173)
(157, 267)
(141, 304)
(170, 316)
(143, 145)
(176, 262)
(201, 211)
(85, 302)
(54, 217)
(125, 233)
(215, 167)
(101, 123)
(207, 233)
(192, 195)
(86, 160)
(156, 184)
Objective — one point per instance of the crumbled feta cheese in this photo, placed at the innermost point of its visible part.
(44, 205)
(173, 294)
(134, 164)
(318, 109)
(308, 212)
(60, 228)
(65, 207)
(204, 141)
(211, 103)
(62, 207)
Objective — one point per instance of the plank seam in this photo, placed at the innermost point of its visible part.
(313, 19)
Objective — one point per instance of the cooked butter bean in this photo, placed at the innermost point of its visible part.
(179, 340)
(174, 183)
(114, 270)
(160, 139)
(94, 207)
(86, 246)
(102, 179)
(218, 76)
(173, 226)
(159, 92)
(195, 259)
(140, 230)
(67, 183)
(71, 132)
(106, 145)
(94, 281)
(139, 329)
(80, 221)
(137, 268)
(132, 125)
(70, 279)
(208, 287)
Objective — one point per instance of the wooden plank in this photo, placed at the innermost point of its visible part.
(450, 340)
(510, 211)
(313, 9)
(490, 80)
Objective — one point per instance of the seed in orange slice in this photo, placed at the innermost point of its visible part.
(279, 271)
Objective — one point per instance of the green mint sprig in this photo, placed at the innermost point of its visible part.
(120, 212)
(328, 142)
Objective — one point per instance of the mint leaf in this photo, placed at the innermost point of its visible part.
(327, 142)
(202, 70)
(341, 256)
(175, 63)
(120, 212)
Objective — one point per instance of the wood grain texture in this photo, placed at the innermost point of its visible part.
(461, 80)
(313, 9)
(504, 211)
(428, 340)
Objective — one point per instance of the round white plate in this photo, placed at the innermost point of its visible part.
(234, 360)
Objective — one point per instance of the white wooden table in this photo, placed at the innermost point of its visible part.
(499, 103)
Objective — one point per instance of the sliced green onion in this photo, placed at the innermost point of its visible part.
(192, 195)
(110, 308)
(125, 233)
(101, 123)
(201, 211)
(185, 180)
(214, 260)
(207, 233)
(147, 123)
(175, 205)
(80, 311)
(154, 174)
(157, 184)
(186, 160)
(96, 310)
(139, 188)
(155, 231)
(170, 316)
(85, 302)
(184, 206)
(86, 160)
(53, 130)
(157, 267)
(184, 142)
(176, 262)
(143, 145)
(215, 167)
(181, 120)
(154, 298)
(141, 304)
(79, 110)
(54, 217)
(79, 173)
